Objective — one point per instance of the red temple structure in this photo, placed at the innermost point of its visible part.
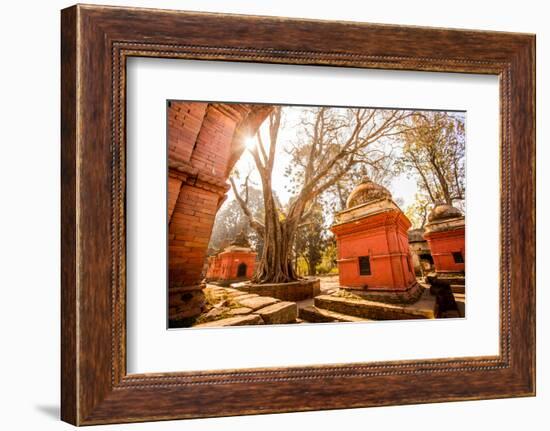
(374, 259)
(235, 263)
(204, 142)
(445, 233)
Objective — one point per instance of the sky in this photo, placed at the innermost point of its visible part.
(402, 187)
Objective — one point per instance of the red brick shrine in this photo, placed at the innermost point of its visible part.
(235, 263)
(445, 234)
(374, 259)
(204, 142)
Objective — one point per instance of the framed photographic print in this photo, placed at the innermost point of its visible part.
(326, 214)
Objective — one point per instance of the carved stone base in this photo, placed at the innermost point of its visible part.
(226, 283)
(452, 278)
(455, 281)
(350, 306)
(407, 296)
(186, 302)
(295, 291)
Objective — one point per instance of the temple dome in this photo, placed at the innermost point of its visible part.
(443, 212)
(365, 192)
(241, 240)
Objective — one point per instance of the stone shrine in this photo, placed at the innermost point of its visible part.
(374, 259)
(445, 233)
(204, 142)
(421, 254)
(235, 263)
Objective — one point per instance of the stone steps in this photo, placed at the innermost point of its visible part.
(250, 319)
(236, 308)
(458, 288)
(313, 314)
(460, 299)
(424, 308)
(279, 313)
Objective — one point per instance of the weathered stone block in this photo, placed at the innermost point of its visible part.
(425, 308)
(294, 291)
(319, 315)
(279, 313)
(236, 294)
(214, 313)
(239, 311)
(250, 319)
(256, 302)
(245, 296)
(186, 302)
(460, 300)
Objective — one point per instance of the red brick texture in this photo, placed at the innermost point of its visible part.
(225, 265)
(443, 245)
(204, 142)
(382, 237)
(184, 123)
(189, 233)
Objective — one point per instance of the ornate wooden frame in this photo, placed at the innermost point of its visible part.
(95, 42)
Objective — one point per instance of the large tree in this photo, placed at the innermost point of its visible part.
(331, 142)
(433, 151)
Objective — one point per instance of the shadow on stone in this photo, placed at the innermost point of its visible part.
(446, 304)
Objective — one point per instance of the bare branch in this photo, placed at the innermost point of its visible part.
(254, 223)
(261, 146)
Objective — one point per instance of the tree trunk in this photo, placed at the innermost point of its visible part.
(276, 264)
(311, 267)
(442, 182)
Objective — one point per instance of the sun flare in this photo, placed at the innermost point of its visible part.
(250, 143)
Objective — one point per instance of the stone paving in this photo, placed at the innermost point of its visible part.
(329, 285)
(232, 307)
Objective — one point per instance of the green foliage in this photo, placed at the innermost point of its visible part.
(311, 240)
(417, 213)
(328, 263)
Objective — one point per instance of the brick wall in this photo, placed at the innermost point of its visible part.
(189, 234)
(184, 123)
(214, 143)
(204, 141)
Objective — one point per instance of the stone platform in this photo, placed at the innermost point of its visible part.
(458, 288)
(186, 302)
(225, 283)
(313, 314)
(456, 280)
(351, 308)
(231, 307)
(295, 291)
(406, 296)
(460, 299)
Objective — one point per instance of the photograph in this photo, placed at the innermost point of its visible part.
(251, 215)
(300, 214)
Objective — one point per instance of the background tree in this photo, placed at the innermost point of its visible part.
(230, 221)
(330, 142)
(417, 213)
(433, 150)
(311, 239)
(329, 256)
(379, 169)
